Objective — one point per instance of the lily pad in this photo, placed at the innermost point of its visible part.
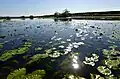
(95, 76)
(91, 60)
(37, 57)
(48, 51)
(104, 70)
(70, 76)
(17, 73)
(114, 64)
(21, 74)
(10, 53)
(38, 48)
(1, 45)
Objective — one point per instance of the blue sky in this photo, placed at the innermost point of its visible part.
(40, 7)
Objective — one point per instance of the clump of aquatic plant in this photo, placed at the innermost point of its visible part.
(17, 74)
(21, 74)
(48, 51)
(55, 54)
(104, 70)
(27, 44)
(114, 64)
(37, 58)
(109, 53)
(1, 45)
(95, 76)
(112, 60)
(10, 53)
(70, 76)
(116, 35)
(91, 60)
(38, 48)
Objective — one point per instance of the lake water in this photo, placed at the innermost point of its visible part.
(71, 44)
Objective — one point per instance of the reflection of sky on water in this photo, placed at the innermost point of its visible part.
(82, 36)
(64, 33)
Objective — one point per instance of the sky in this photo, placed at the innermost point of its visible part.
(43, 7)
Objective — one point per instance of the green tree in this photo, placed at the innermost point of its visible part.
(56, 14)
(31, 16)
(66, 13)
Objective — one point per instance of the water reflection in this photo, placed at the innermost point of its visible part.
(75, 62)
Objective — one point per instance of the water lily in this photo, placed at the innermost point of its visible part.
(104, 70)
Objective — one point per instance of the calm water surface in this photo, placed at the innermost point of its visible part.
(82, 36)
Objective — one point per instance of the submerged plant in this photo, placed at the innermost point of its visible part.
(21, 74)
(10, 53)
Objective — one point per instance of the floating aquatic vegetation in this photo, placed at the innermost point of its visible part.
(27, 44)
(1, 45)
(116, 35)
(55, 54)
(95, 76)
(38, 48)
(15, 61)
(110, 54)
(47, 51)
(104, 70)
(21, 74)
(10, 53)
(37, 58)
(91, 60)
(17, 74)
(70, 76)
(114, 64)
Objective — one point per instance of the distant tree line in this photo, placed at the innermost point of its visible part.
(65, 13)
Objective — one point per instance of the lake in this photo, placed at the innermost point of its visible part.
(77, 49)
